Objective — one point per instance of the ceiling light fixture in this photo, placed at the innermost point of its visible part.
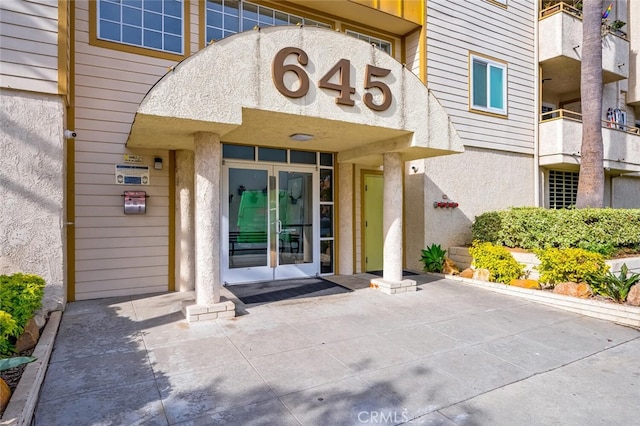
(301, 137)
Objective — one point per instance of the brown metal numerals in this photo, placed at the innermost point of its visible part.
(342, 68)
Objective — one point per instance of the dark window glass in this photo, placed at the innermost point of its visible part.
(326, 185)
(303, 157)
(326, 221)
(109, 31)
(132, 35)
(326, 257)
(272, 154)
(326, 159)
(153, 39)
(239, 152)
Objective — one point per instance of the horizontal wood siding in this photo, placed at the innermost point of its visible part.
(116, 254)
(456, 29)
(412, 54)
(29, 40)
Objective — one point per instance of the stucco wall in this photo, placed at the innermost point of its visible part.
(479, 180)
(625, 192)
(32, 177)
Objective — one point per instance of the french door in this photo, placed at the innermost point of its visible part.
(269, 229)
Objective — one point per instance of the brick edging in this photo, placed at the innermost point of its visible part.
(618, 313)
(23, 401)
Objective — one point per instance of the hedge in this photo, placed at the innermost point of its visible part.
(598, 230)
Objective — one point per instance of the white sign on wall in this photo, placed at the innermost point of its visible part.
(127, 174)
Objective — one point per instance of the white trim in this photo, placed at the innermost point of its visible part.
(490, 64)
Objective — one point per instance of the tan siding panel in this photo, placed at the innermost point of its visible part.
(130, 221)
(108, 105)
(153, 214)
(124, 262)
(9, 30)
(26, 83)
(31, 72)
(113, 200)
(142, 74)
(119, 232)
(102, 126)
(88, 254)
(116, 274)
(118, 243)
(111, 288)
(28, 59)
(106, 94)
(27, 46)
(34, 8)
(29, 22)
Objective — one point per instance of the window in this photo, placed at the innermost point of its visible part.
(563, 189)
(383, 45)
(488, 85)
(227, 17)
(152, 24)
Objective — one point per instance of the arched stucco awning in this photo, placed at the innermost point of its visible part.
(229, 89)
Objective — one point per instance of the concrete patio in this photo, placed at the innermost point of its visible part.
(446, 354)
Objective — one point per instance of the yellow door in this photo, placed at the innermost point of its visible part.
(372, 216)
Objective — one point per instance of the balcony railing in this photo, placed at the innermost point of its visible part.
(565, 114)
(552, 7)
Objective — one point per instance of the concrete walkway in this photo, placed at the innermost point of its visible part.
(446, 354)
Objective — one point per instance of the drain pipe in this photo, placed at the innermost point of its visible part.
(536, 105)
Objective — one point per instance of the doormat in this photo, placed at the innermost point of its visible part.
(275, 291)
(404, 273)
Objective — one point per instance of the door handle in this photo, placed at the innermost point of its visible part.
(278, 226)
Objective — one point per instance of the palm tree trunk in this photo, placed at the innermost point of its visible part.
(591, 179)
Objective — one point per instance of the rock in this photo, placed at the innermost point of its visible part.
(5, 395)
(581, 290)
(633, 298)
(533, 284)
(450, 267)
(467, 273)
(481, 274)
(29, 337)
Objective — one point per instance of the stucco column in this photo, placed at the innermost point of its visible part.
(391, 281)
(207, 163)
(392, 217)
(345, 218)
(185, 232)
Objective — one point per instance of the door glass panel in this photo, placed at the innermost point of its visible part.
(295, 213)
(248, 218)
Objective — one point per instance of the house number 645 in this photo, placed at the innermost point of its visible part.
(342, 68)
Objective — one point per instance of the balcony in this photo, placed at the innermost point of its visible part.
(560, 139)
(560, 49)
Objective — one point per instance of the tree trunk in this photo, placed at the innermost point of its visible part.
(591, 180)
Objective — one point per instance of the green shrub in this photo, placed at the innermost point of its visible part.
(433, 258)
(569, 264)
(615, 287)
(20, 296)
(498, 260)
(604, 231)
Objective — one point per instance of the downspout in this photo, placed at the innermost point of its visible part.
(536, 105)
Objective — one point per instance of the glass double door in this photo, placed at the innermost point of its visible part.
(269, 222)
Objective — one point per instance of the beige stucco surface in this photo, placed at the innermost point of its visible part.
(480, 180)
(625, 192)
(228, 89)
(32, 182)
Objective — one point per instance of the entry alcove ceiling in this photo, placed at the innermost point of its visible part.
(228, 88)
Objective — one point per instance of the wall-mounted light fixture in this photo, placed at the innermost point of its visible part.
(157, 163)
(300, 137)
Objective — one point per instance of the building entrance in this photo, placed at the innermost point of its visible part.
(269, 224)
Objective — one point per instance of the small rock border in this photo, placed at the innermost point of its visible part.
(618, 313)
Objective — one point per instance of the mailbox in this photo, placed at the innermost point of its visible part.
(135, 202)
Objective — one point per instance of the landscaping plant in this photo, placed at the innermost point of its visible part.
(604, 231)
(498, 260)
(569, 264)
(433, 258)
(20, 296)
(612, 286)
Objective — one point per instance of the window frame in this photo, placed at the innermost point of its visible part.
(495, 64)
(95, 40)
(204, 25)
